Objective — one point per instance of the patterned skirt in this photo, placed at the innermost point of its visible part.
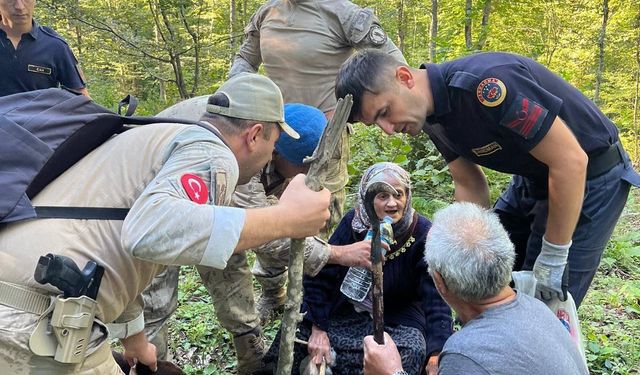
(346, 334)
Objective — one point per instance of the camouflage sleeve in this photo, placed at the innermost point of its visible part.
(249, 58)
(363, 30)
(130, 322)
(174, 220)
(276, 253)
(316, 255)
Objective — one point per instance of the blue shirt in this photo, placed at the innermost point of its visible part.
(42, 60)
(493, 108)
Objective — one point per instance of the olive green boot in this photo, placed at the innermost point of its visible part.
(273, 297)
(250, 349)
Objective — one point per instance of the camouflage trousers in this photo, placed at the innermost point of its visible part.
(231, 289)
(16, 358)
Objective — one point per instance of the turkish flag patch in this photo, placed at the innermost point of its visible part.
(524, 117)
(195, 188)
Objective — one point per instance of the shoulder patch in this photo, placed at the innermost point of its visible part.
(377, 36)
(524, 117)
(195, 188)
(221, 188)
(491, 92)
(358, 24)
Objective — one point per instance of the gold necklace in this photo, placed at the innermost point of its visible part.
(401, 250)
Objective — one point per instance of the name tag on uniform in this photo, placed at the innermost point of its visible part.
(39, 69)
(487, 149)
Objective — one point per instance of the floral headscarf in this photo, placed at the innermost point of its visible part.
(388, 172)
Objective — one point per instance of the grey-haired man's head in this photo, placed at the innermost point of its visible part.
(470, 249)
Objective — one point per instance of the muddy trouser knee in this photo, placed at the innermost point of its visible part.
(605, 197)
(272, 259)
(231, 291)
(160, 302)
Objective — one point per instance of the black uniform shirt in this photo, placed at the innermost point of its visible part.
(42, 60)
(493, 108)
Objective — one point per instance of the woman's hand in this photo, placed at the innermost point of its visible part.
(319, 346)
(353, 255)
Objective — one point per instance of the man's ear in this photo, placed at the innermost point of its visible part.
(405, 76)
(439, 281)
(252, 134)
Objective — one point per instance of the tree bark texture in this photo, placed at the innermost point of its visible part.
(377, 295)
(433, 31)
(484, 26)
(467, 24)
(601, 46)
(314, 181)
(401, 25)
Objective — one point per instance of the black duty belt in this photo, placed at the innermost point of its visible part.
(603, 162)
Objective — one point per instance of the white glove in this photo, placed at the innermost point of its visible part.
(551, 271)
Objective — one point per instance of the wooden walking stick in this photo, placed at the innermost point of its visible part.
(372, 190)
(314, 181)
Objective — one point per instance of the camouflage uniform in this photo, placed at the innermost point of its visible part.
(302, 45)
(142, 169)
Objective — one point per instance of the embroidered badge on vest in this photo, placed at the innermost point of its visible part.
(491, 92)
(195, 188)
(486, 149)
(524, 117)
(39, 69)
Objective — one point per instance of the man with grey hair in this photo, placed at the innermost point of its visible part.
(470, 258)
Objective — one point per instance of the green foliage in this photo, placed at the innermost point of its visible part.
(197, 337)
(610, 313)
(166, 50)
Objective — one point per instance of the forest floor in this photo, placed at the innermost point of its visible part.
(610, 314)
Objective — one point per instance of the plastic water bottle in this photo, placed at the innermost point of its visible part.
(357, 282)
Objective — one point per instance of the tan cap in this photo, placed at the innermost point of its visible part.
(253, 97)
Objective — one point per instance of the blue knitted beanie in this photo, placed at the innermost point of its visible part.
(309, 122)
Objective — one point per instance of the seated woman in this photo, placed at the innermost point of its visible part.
(415, 316)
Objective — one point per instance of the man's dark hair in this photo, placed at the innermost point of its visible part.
(233, 125)
(364, 72)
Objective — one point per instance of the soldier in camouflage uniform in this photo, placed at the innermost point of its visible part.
(177, 180)
(231, 289)
(302, 44)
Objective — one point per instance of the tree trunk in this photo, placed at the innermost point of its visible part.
(551, 42)
(195, 39)
(601, 45)
(174, 55)
(467, 24)
(245, 12)
(232, 27)
(433, 32)
(484, 26)
(314, 181)
(401, 25)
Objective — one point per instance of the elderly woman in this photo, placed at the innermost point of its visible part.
(415, 316)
